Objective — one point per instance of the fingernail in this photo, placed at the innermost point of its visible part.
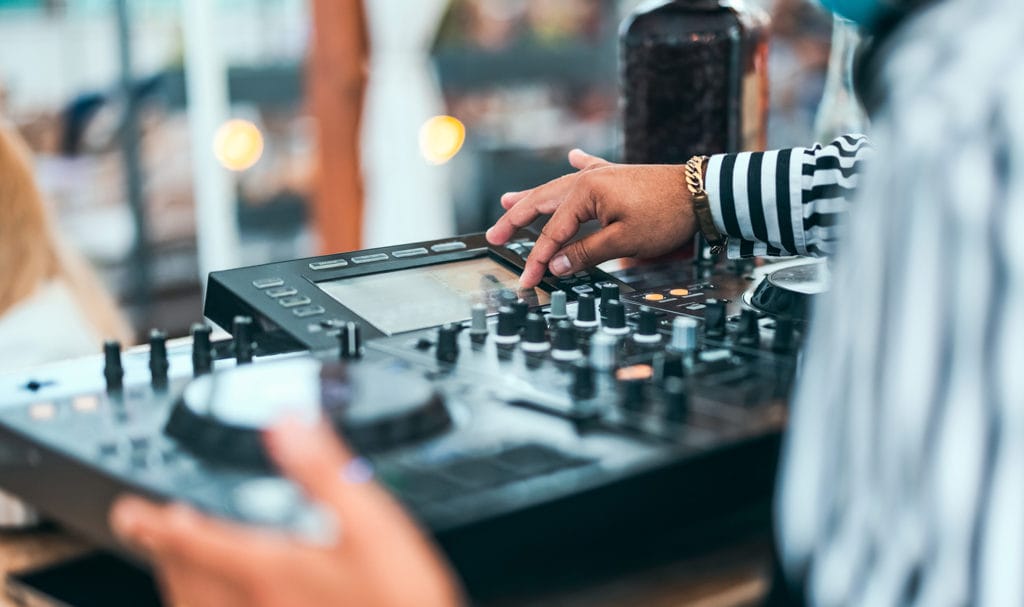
(561, 265)
(488, 233)
(123, 519)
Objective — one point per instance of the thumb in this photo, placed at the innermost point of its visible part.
(589, 251)
(315, 458)
(582, 161)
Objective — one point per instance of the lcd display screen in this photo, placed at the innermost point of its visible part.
(406, 300)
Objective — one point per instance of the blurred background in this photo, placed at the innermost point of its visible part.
(310, 126)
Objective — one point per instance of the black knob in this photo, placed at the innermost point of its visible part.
(677, 400)
(536, 334)
(615, 318)
(633, 394)
(448, 343)
(566, 347)
(749, 333)
(202, 350)
(113, 372)
(784, 341)
(158, 363)
(586, 312)
(669, 365)
(714, 319)
(583, 386)
(521, 309)
(350, 341)
(508, 327)
(242, 331)
(647, 326)
(609, 292)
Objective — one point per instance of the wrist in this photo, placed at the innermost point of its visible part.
(696, 173)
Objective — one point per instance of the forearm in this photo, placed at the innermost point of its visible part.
(785, 202)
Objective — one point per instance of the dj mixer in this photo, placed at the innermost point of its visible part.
(594, 414)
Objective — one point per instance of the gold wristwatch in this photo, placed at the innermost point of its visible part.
(701, 207)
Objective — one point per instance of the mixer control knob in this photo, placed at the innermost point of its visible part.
(448, 343)
(536, 337)
(478, 324)
(202, 350)
(521, 309)
(557, 312)
(609, 292)
(243, 332)
(784, 341)
(677, 400)
(158, 363)
(749, 333)
(615, 318)
(714, 319)
(350, 341)
(647, 327)
(586, 312)
(566, 347)
(508, 327)
(633, 393)
(670, 365)
(583, 386)
(684, 334)
(113, 372)
(602, 352)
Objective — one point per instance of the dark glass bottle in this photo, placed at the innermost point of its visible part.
(694, 78)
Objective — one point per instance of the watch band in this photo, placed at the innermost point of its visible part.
(701, 206)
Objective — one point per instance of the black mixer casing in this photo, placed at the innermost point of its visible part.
(522, 474)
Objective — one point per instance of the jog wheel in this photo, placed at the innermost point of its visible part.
(221, 417)
(791, 291)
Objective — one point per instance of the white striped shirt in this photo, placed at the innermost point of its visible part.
(903, 468)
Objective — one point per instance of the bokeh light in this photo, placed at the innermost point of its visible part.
(238, 145)
(441, 138)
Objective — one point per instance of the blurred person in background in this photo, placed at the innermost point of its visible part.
(52, 306)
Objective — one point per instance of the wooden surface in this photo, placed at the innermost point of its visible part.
(733, 576)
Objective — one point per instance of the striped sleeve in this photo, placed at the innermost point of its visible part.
(785, 202)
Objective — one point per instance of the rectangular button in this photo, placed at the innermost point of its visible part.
(267, 283)
(445, 247)
(308, 311)
(294, 302)
(281, 292)
(318, 266)
(371, 258)
(581, 289)
(409, 253)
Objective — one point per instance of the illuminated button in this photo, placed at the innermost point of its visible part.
(409, 253)
(267, 283)
(635, 373)
(679, 292)
(42, 411)
(85, 404)
(371, 258)
(446, 247)
(654, 297)
(333, 264)
(308, 311)
(281, 292)
(294, 302)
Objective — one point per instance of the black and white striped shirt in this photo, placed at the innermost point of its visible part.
(785, 202)
(903, 468)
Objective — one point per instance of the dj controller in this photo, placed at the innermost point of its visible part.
(595, 414)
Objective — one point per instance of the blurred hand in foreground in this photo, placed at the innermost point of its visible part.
(380, 559)
(644, 211)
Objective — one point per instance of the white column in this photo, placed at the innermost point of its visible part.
(206, 82)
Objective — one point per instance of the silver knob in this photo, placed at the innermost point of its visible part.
(558, 311)
(684, 334)
(602, 352)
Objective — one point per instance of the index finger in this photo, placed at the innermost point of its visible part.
(538, 201)
(562, 227)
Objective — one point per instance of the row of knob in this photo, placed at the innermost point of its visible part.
(202, 353)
